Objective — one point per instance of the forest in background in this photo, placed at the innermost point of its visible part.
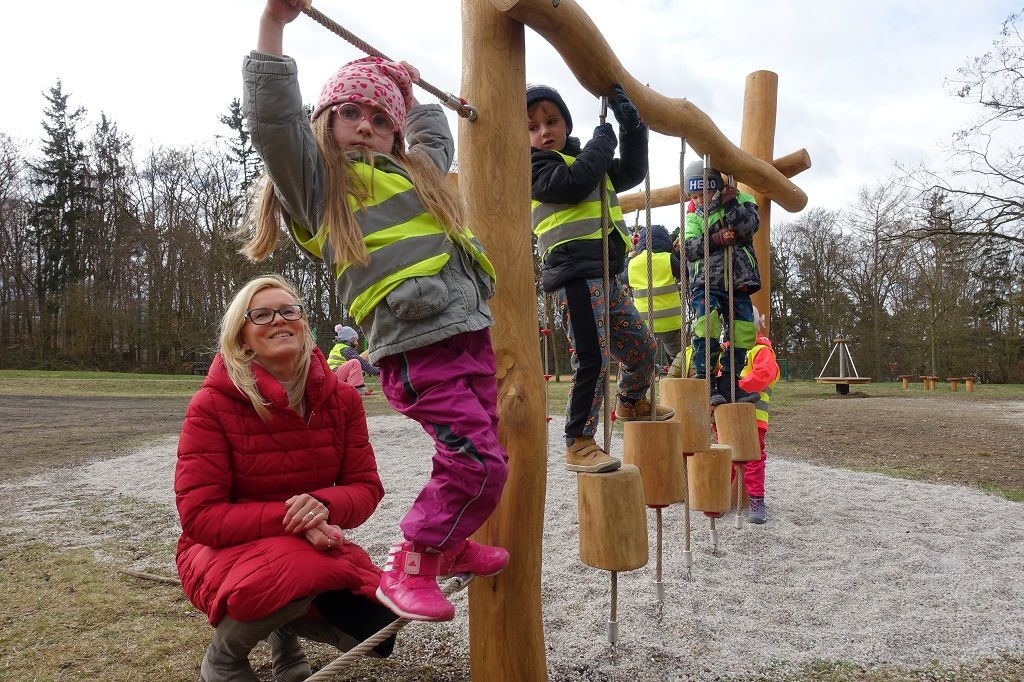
(119, 260)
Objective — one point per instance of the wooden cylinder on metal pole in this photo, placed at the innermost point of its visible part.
(506, 635)
(737, 428)
(613, 521)
(707, 474)
(689, 399)
(653, 447)
(757, 138)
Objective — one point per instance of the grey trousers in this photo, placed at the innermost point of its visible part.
(669, 345)
(227, 657)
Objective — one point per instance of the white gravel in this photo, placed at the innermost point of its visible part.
(851, 566)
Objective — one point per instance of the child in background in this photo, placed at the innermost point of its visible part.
(732, 220)
(346, 361)
(668, 309)
(413, 276)
(759, 375)
(567, 221)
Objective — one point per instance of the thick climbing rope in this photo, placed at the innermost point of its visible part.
(650, 293)
(684, 284)
(707, 277)
(456, 584)
(732, 315)
(453, 102)
(606, 283)
(684, 335)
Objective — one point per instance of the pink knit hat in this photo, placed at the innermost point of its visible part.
(374, 82)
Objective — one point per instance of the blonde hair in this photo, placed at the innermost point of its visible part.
(266, 214)
(238, 360)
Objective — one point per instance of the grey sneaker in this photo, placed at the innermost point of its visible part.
(758, 512)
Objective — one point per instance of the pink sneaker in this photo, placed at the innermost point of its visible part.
(472, 557)
(409, 584)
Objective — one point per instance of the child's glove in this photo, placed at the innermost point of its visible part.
(606, 131)
(625, 111)
(724, 238)
(727, 194)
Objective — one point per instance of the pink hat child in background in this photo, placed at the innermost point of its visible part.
(374, 82)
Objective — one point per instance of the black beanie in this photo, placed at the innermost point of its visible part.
(539, 93)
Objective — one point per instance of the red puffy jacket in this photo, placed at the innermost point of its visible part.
(234, 473)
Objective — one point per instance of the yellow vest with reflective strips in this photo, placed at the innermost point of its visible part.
(667, 307)
(764, 397)
(403, 241)
(556, 224)
(337, 357)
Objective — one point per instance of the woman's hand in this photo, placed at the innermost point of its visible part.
(325, 536)
(283, 11)
(302, 513)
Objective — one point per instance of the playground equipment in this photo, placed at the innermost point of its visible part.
(506, 636)
(846, 364)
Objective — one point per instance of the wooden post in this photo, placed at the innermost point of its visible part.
(506, 635)
(969, 384)
(905, 378)
(953, 381)
(760, 102)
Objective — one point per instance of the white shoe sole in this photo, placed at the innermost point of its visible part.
(383, 598)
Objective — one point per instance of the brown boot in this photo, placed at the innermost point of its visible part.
(641, 409)
(585, 456)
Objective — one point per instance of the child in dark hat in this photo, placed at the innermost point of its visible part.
(567, 212)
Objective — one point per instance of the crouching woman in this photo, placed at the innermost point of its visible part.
(274, 464)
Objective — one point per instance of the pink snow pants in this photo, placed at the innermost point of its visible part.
(450, 388)
(351, 372)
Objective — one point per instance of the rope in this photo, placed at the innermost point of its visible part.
(684, 285)
(355, 653)
(707, 278)
(606, 283)
(453, 102)
(650, 288)
(150, 576)
(727, 271)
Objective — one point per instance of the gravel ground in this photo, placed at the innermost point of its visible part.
(851, 567)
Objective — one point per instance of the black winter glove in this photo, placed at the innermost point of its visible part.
(625, 111)
(606, 131)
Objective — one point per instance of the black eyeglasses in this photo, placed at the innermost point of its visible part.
(266, 315)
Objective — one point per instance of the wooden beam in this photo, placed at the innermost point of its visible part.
(587, 54)
(789, 165)
(757, 138)
(506, 635)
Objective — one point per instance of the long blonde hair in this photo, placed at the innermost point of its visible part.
(266, 214)
(238, 360)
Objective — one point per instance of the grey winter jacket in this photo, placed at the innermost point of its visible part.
(420, 311)
(741, 215)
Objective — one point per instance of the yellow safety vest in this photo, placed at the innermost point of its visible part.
(765, 396)
(665, 291)
(403, 240)
(337, 357)
(556, 224)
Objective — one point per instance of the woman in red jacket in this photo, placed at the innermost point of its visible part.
(274, 464)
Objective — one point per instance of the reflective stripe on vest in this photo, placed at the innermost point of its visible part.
(402, 239)
(764, 397)
(667, 307)
(556, 224)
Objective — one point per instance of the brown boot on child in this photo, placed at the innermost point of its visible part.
(585, 456)
(641, 409)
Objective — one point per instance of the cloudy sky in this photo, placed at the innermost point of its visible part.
(861, 85)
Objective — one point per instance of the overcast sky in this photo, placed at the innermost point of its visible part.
(861, 84)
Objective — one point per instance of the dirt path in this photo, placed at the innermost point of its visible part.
(41, 432)
(976, 443)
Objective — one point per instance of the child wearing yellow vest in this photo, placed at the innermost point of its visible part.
(759, 374)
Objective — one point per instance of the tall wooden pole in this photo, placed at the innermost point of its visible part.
(757, 138)
(506, 633)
